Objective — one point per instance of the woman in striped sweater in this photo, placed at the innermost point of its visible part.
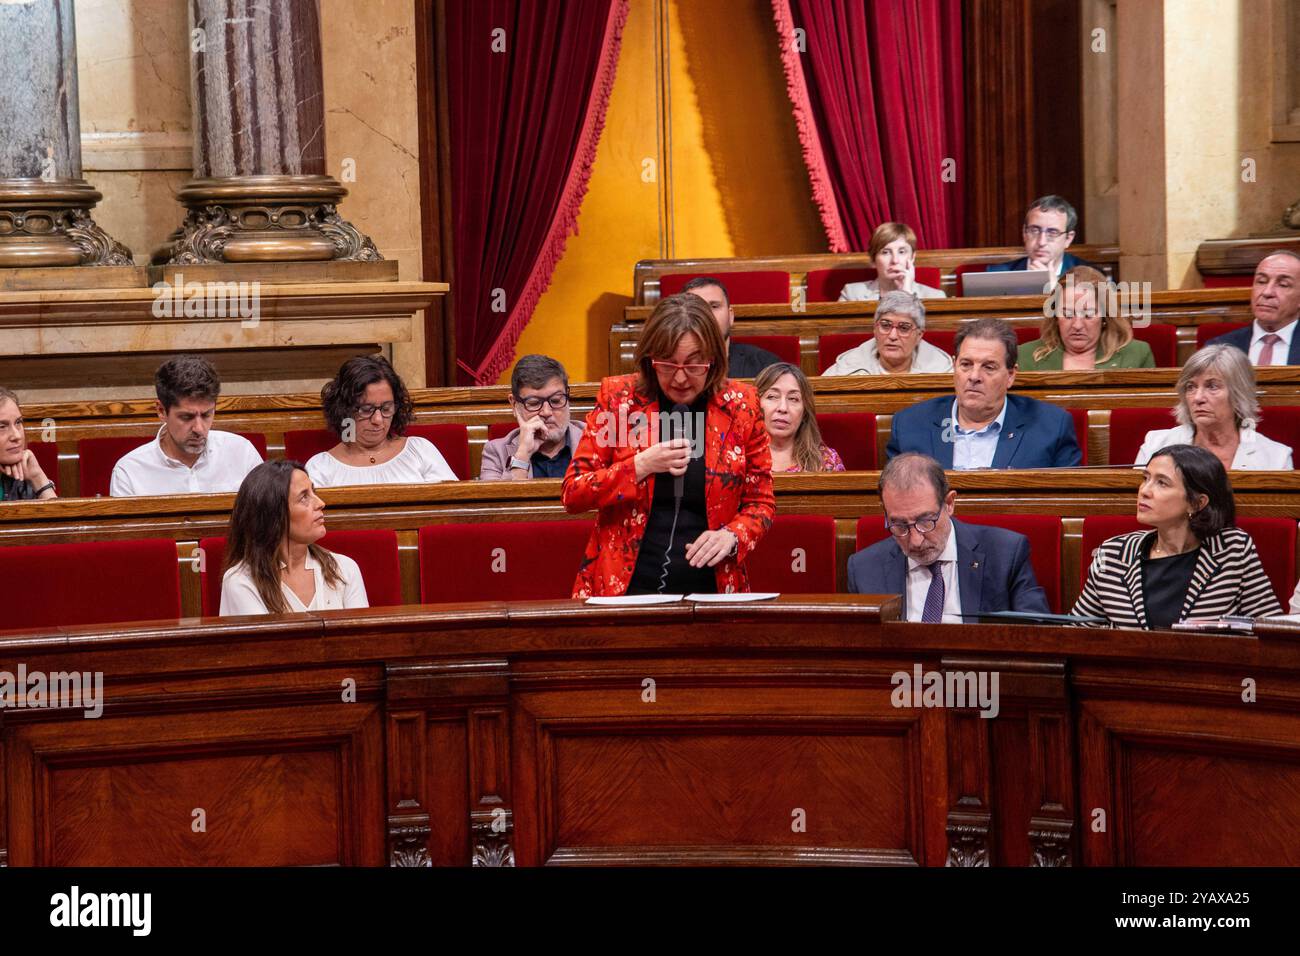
(1192, 565)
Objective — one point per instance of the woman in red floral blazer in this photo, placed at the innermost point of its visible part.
(647, 539)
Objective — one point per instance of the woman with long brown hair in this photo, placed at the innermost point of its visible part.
(676, 460)
(790, 413)
(273, 563)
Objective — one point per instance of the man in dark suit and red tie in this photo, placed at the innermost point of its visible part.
(1275, 305)
(941, 567)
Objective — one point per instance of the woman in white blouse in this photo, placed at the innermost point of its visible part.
(274, 564)
(893, 250)
(1217, 410)
(368, 407)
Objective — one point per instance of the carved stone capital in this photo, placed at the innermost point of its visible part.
(1050, 842)
(265, 219)
(492, 831)
(408, 844)
(968, 839)
(47, 224)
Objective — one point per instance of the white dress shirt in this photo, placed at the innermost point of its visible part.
(239, 593)
(1281, 350)
(226, 459)
(1255, 452)
(419, 462)
(976, 449)
(869, 291)
(864, 359)
(918, 584)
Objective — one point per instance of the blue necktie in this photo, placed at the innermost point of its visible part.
(932, 613)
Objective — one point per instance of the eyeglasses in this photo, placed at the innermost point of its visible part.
(901, 529)
(388, 410)
(1051, 235)
(534, 403)
(672, 368)
(886, 326)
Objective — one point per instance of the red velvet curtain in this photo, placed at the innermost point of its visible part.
(877, 94)
(528, 82)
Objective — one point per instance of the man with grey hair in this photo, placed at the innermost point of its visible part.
(983, 426)
(896, 346)
(542, 446)
(1275, 305)
(942, 568)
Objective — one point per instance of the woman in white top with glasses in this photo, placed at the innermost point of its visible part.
(274, 564)
(368, 407)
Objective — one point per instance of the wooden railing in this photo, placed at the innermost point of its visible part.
(557, 733)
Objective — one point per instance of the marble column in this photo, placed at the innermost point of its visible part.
(44, 203)
(260, 192)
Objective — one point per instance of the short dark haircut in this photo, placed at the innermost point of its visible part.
(1203, 474)
(341, 398)
(699, 282)
(910, 467)
(1055, 204)
(534, 371)
(995, 330)
(185, 376)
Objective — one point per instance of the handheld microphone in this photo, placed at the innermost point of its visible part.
(676, 424)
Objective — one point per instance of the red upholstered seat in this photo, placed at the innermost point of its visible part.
(1163, 340)
(1229, 282)
(1275, 540)
(451, 440)
(1129, 427)
(99, 582)
(1278, 422)
(97, 457)
(825, 285)
(796, 556)
(1212, 330)
(784, 347)
(1043, 532)
(853, 435)
(743, 288)
(374, 551)
(964, 268)
(831, 344)
(1080, 419)
(47, 456)
(500, 430)
(501, 561)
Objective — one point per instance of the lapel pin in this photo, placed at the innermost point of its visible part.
(974, 564)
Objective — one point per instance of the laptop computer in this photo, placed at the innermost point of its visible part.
(1025, 282)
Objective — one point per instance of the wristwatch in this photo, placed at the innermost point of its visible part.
(518, 463)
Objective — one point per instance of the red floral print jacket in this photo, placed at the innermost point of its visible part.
(737, 481)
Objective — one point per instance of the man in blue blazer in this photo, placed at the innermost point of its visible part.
(1048, 231)
(941, 567)
(1275, 305)
(983, 426)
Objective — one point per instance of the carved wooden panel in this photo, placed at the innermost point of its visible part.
(261, 788)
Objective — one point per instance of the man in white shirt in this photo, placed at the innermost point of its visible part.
(188, 456)
(1275, 304)
(942, 568)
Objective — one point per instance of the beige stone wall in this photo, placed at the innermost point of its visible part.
(1193, 111)
(133, 72)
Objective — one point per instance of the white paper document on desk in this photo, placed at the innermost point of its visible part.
(634, 600)
(736, 598)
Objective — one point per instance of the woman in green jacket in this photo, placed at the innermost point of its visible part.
(1079, 337)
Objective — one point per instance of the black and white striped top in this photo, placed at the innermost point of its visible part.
(1228, 579)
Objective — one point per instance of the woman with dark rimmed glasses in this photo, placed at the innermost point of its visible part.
(676, 460)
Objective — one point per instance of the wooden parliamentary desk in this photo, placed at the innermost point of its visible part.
(557, 733)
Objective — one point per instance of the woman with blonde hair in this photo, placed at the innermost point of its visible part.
(790, 413)
(1078, 335)
(1217, 410)
(893, 251)
(676, 462)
